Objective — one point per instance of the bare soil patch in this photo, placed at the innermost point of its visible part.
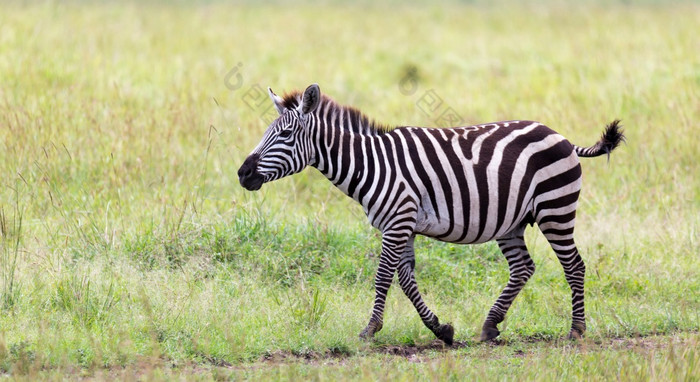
(416, 353)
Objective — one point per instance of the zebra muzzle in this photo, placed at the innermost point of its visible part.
(248, 174)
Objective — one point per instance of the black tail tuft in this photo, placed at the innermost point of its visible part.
(611, 138)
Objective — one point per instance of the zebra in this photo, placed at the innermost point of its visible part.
(464, 185)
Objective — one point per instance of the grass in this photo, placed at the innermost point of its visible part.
(130, 251)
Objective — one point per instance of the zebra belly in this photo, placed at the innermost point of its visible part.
(438, 234)
(470, 216)
(461, 231)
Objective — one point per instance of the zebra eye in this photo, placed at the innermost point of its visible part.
(285, 133)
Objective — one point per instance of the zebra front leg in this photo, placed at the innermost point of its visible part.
(393, 245)
(409, 286)
(521, 268)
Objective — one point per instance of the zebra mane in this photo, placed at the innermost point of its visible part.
(359, 122)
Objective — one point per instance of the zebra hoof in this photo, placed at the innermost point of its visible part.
(368, 332)
(577, 330)
(445, 333)
(488, 333)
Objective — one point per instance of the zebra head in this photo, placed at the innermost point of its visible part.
(286, 146)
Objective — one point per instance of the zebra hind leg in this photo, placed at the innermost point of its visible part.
(562, 243)
(407, 280)
(521, 268)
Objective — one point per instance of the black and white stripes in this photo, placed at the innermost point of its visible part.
(461, 185)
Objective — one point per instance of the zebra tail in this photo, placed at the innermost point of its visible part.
(611, 138)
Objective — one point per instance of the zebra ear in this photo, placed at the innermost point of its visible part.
(311, 99)
(277, 100)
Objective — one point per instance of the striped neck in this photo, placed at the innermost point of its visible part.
(345, 146)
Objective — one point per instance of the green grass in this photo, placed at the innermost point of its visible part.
(129, 250)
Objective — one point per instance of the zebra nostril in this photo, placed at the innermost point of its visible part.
(249, 166)
(244, 171)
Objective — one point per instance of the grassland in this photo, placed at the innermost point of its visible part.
(130, 251)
